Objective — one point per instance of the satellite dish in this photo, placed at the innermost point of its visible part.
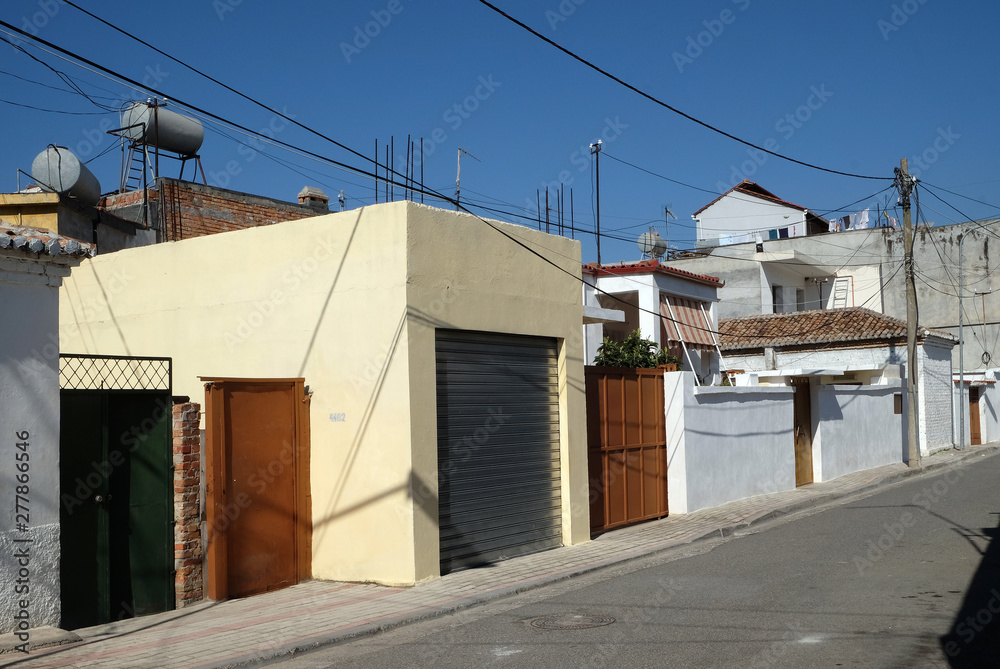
(651, 244)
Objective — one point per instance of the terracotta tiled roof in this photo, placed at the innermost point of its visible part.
(647, 266)
(750, 188)
(852, 325)
(42, 242)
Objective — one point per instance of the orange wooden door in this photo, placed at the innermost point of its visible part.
(975, 431)
(803, 431)
(258, 502)
(626, 446)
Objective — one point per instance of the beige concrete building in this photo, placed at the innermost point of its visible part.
(443, 362)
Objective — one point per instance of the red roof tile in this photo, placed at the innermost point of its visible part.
(854, 324)
(648, 266)
(42, 242)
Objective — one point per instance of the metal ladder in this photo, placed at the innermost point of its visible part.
(135, 175)
(841, 291)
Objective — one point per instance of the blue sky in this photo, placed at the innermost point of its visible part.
(851, 86)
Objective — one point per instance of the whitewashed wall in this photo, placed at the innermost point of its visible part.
(29, 404)
(989, 408)
(726, 443)
(855, 428)
(935, 390)
(935, 415)
(739, 213)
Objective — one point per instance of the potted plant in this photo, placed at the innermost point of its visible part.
(635, 352)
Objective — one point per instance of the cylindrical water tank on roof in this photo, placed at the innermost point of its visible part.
(160, 127)
(57, 170)
(652, 244)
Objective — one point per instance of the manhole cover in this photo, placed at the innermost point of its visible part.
(571, 621)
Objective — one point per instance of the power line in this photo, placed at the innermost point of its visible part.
(660, 176)
(50, 111)
(663, 104)
(333, 162)
(150, 89)
(972, 199)
(239, 93)
(62, 75)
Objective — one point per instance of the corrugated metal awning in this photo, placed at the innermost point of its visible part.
(688, 323)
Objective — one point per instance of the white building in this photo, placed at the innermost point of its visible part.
(747, 212)
(33, 264)
(845, 347)
(673, 308)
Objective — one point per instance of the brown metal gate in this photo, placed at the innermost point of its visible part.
(627, 446)
(257, 493)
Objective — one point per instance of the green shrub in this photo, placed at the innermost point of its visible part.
(634, 351)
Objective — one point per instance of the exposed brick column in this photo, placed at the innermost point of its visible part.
(188, 551)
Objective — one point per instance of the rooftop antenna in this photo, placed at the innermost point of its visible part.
(668, 213)
(458, 174)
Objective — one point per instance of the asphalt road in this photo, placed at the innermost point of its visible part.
(906, 577)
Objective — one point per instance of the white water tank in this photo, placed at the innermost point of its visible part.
(163, 128)
(57, 170)
(652, 244)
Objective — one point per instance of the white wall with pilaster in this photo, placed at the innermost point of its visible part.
(29, 414)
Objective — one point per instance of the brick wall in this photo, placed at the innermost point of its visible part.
(189, 210)
(183, 209)
(188, 550)
(934, 393)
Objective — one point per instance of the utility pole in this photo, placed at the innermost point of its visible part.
(905, 182)
(595, 149)
(961, 348)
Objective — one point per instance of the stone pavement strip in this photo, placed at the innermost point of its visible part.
(316, 613)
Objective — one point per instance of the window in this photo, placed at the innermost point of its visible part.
(800, 299)
(777, 304)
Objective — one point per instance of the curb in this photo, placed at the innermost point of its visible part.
(724, 531)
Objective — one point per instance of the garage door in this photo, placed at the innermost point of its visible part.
(498, 447)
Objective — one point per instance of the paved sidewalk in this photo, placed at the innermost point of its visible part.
(316, 613)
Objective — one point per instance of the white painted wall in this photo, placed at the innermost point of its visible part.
(29, 403)
(649, 287)
(989, 410)
(935, 414)
(935, 390)
(989, 407)
(739, 214)
(726, 443)
(855, 428)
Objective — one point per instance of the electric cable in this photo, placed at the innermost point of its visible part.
(234, 91)
(663, 104)
(357, 170)
(50, 111)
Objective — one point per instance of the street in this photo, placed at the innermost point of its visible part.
(905, 577)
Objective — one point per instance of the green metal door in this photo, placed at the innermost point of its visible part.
(116, 511)
(83, 520)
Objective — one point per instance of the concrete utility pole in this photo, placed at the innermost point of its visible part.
(904, 182)
(961, 348)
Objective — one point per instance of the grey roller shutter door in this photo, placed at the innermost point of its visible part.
(498, 447)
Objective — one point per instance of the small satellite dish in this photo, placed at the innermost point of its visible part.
(651, 244)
